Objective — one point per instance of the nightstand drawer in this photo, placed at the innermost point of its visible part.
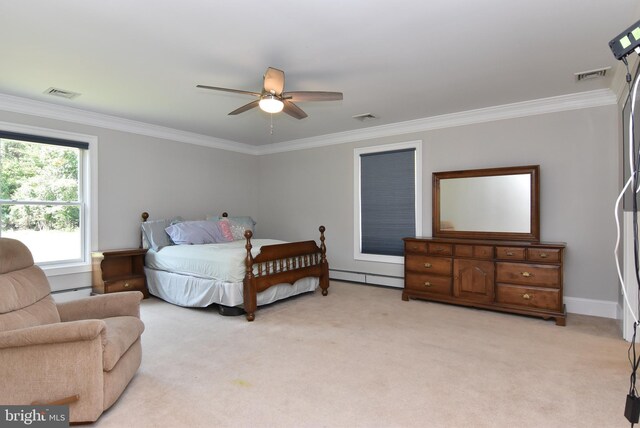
(429, 265)
(528, 274)
(129, 284)
(428, 283)
(529, 297)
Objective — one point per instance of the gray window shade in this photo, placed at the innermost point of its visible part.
(387, 198)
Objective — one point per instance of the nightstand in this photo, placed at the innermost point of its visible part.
(118, 270)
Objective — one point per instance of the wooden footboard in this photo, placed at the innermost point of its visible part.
(283, 263)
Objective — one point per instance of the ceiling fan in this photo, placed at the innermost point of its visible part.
(273, 98)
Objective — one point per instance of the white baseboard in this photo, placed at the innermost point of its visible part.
(367, 278)
(596, 308)
(575, 305)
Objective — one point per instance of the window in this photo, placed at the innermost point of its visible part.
(44, 194)
(388, 203)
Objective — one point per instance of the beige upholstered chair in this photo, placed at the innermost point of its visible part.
(82, 353)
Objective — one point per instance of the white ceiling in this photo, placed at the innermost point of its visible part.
(403, 60)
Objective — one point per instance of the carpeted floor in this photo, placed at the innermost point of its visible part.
(361, 357)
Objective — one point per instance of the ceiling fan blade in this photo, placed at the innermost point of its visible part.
(245, 107)
(301, 96)
(274, 81)
(293, 110)
(235, 91)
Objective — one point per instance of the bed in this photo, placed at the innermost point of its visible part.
(237, 275)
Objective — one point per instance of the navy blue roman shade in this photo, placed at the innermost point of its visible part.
(387, 200)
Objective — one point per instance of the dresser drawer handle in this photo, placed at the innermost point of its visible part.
(543, 255)
(427, 265)
(427, 284)
(439, 250)
(527, 296)
(126, 285)
(526, 274)
(510, 253)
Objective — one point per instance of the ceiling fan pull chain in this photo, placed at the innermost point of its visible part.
(271, 130)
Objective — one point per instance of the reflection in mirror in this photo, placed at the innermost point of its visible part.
(486, 204)
(491, 203)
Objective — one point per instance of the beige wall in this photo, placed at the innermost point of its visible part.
(578, 156)
(290, 194)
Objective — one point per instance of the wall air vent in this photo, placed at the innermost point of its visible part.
(61, 93)
(364, 116)
(591, 74)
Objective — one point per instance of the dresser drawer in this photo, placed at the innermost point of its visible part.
(510, 253)
(474, 251)
(528, 274)
(543, 255)
(428, 265)
(415, 247)
(529, 297)
(436, 249)
(428, 283)
(130, 284)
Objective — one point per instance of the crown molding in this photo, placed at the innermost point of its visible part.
(560, 103)
(597, 98)
(70, 114)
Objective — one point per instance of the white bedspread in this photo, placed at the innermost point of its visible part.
(223, 262)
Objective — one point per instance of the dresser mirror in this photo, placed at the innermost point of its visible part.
(493, 203)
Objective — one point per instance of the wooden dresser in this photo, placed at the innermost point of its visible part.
(118, 270)
(508, 276)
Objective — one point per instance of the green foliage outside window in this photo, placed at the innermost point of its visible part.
(32, 172)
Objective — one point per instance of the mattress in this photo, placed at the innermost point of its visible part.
(223, 262)
(201, 275)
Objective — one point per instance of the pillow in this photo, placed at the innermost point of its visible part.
(237, 229)
(154, 235)
(194, 232)
(225, 230)
(245, 221)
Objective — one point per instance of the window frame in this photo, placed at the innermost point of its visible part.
(357, 218)
(88, 188)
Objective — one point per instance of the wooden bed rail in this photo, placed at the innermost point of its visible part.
(282, 263)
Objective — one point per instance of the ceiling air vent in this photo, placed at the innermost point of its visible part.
(591, 74)
(364, 116)
(61, 93)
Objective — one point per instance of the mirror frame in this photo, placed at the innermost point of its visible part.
(534, 230)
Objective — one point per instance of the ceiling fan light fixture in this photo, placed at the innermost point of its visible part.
(271, 104)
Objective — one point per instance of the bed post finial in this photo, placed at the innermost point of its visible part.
(323, 247)
(250, 301)
(145, 216)
(324, 278)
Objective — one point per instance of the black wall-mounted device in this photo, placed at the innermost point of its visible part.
(624, 43)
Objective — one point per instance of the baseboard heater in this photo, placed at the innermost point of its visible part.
(366, 278)
(67, 294)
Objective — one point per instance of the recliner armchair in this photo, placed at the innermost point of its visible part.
(82, 353)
